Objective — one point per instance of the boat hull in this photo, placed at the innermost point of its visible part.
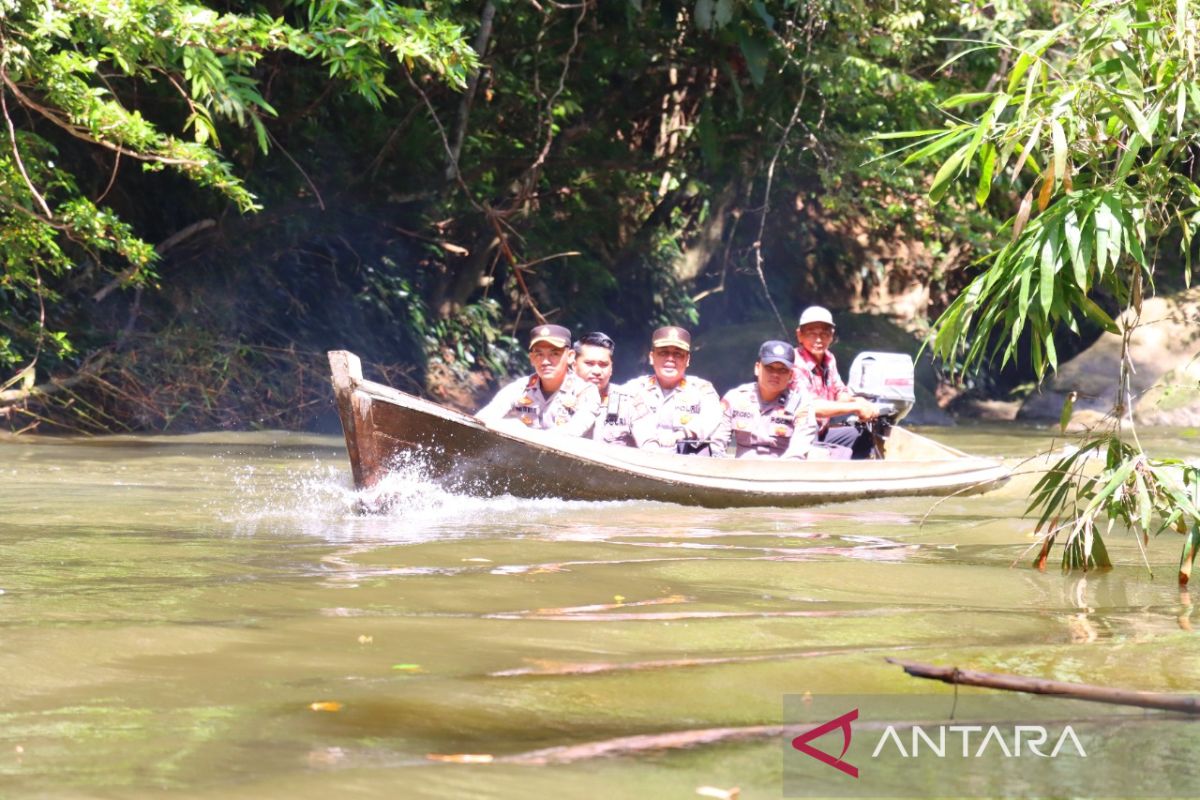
(386, 428)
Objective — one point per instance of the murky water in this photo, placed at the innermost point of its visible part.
(205, 615)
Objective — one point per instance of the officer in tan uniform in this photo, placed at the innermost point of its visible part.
(768, 419)
(673, 410)
(554, 397)
(594, 363)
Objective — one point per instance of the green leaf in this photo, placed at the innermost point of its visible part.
(1121, 474)
(1098, 315)
(1018, 71)
(761, 9)
(911, 134)
(1143, 126)
(951, 136)
(1049, 269)
(756, 53)
(987, 158)
(1145, 507)
(1074, 236)
(948, 172)
(966, 98)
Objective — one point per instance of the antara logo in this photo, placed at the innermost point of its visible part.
(1031, 738)
(1035, 737)
(801, 742)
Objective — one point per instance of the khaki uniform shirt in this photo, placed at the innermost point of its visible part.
(571, 410)
(769, 430)
(613, 424)
(692, 410)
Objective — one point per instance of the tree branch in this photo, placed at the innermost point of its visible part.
(480, 46)
(78, 133)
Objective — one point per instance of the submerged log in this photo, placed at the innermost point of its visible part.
(1186, 704)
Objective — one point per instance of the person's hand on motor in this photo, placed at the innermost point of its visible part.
(865, 409)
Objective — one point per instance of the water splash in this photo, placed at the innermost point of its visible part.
(408, 505)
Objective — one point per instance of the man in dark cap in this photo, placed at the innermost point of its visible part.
(554, 397)
(816, 371)
(767, 418)
(674, 409)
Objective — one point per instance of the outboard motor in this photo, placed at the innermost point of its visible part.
(886, 379)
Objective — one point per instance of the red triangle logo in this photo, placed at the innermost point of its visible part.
(801, 742)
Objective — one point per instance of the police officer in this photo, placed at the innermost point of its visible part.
(767, 418)
(594, 363)
(816, 371)
(554, 397)
(673, 411)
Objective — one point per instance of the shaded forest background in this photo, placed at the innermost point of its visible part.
(604, 164)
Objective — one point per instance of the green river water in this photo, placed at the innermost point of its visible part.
(173, 608)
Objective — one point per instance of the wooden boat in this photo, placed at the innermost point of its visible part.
(383, 425)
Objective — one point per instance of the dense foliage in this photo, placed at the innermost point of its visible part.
(1095, 126)
(609, 164)
(89, 88)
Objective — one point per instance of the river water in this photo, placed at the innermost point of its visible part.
(205, 615)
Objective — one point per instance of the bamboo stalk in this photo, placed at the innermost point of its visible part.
(1187, 704)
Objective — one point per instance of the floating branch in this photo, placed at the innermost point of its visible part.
(1186, 704)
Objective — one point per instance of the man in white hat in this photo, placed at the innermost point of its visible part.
(675, 412)
(816, 371)
(553, 397)
(768, 419)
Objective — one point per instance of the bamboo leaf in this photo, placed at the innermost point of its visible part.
(1027, 150)
(965, 98)
(1074, 237)
(1022, 214)
(988, 159)
(1180, 106)
(1049, 268)
(1098, 315)
(1024, 298)
(1143, 126)
(1145, 507)
(1030, 81)
(1132, 147)
(1059, 139)
(909, 134)
(1047, 188)
(948, 172)
(1187, 557)
(1019, 68)
(941, 143)
(1105, 494)
(1068, 407)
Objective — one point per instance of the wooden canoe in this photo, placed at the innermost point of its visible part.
(383, 426)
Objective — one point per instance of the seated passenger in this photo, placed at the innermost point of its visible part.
(594, 363)
(554, 397)
(768, 419)
(674, 412)
(816, 371)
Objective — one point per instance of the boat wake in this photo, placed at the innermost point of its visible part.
(407, 505)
